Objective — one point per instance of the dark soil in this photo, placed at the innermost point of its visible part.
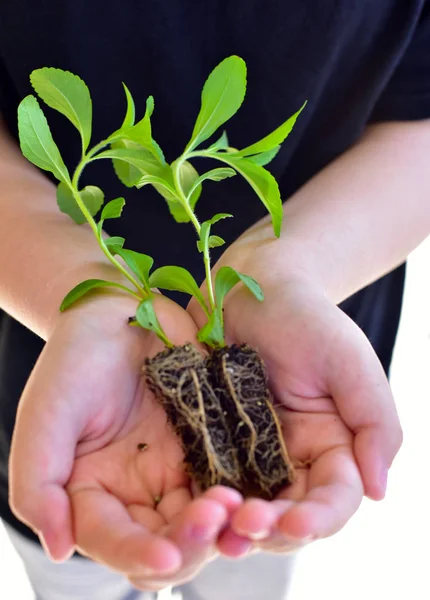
(221, 408)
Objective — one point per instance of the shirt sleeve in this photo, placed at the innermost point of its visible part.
(407, 94)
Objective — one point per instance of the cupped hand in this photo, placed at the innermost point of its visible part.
(337, 411)
(94, 464)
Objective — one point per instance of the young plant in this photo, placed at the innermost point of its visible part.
(220, 404)
(138, 161)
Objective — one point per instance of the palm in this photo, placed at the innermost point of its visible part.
(83, 420)
(141, 466)
(330, 392)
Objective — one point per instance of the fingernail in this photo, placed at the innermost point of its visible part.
(258, 535)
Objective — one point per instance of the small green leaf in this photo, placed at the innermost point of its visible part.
(140, 264)
(215, 241)
(165, 187)
(67, 93)
(262, 182)
(188, 178)
(128, 174)
(219, 217)
(141, 133)
(137, 156)
(213, 175)
(222, 96)
(83, 288)
(131, 111)
(113, 209)
(177, 279)
(146, 317)
(212, 333)
(91, 196)
(227, 277)
(273, 139)
(203, 243)
(264, 158)
(36, 140)
(114, 243)
(221, 143)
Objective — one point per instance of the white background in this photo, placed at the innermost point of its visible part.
(382, 553)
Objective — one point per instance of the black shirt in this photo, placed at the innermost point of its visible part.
(355, 61)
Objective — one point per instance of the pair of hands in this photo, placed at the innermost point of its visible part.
(78, 480)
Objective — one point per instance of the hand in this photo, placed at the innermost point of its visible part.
(339, 419)
(75, 451)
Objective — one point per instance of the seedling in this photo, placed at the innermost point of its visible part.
(209, 405)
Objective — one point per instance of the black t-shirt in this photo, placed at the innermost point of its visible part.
(355, 61)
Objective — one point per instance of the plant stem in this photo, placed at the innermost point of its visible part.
(93, 225)
(185, 203)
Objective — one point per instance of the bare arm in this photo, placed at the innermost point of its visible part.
(362, 215)
(43, 253)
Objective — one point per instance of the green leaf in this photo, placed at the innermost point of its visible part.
(203, 243)
(215, 241)
(83, 288)
(128, 174)
(221, 143)
(114, 243)
(139, 263)
(273, 139)
(146, 317)
(113, 209)
(36, 140)
(139, 157)
(165, 187)
(219, 217)
(222, 96)
(212, 333)
(177, 279)
(188, 178)
(264, 158)
(131, 111)
(213, 175)
(67, 93)
(91, 196)
(227, 277)
(262, 182)
(141, 133)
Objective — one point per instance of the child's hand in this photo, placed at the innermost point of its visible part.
(334, 401)
(80, 475)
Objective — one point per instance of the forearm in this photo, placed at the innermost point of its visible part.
(363, 214)
(43, 254)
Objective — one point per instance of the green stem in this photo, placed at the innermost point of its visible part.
(74, 189)
(126, 289)
(185, 203)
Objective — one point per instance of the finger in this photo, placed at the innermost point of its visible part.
(365, 402)
(232, 545)
(228, 497)
(106, 532)
(41, 461)
(195, 532)
(335, 493)
(256, 519)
